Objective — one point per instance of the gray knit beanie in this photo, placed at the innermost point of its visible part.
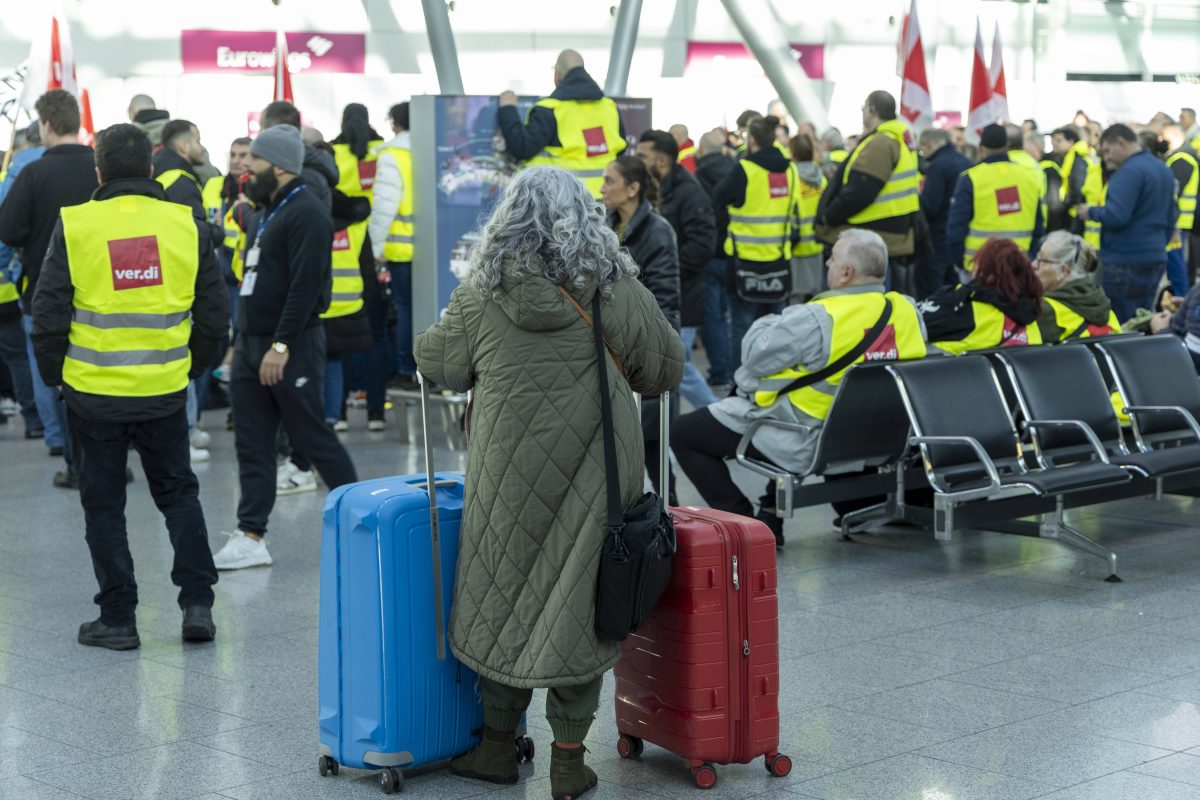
(282, 146)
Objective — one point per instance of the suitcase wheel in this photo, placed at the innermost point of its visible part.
(705, 776)
(525, 749)
(391, 781)
(327, 766)
(779, 765)
(629, 747)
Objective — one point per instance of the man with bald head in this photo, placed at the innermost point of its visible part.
(576, 128)
(687, 148)
(148, 117)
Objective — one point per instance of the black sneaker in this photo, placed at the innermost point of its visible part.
(119, 637)
(198, 625)
(773, 522)
(35, 433)
(65, 479)
(55, 450)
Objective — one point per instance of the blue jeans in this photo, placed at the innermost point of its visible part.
(335, 388)
(715, 331)
(45, 397)
(693, 387)
(16, 357)
(402, 296)
(1131, 286)
(1177, 271)
(742, 315)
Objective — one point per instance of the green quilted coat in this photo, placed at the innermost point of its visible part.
(533, 523)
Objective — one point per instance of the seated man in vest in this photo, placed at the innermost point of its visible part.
(876, 186)
(994, 199)
(576, 128)
(130, 304)
(782, 348)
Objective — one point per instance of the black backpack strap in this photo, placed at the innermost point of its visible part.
(848, 358)
(1082, 327)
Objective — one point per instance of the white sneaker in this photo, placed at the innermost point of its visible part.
(296, 481)
(241, 552)
(341, 426)
(198, 455)
(376, 425)
(284, 472)
(9, 407)
(200, 438)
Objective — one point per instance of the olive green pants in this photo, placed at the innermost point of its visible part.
(569, 709)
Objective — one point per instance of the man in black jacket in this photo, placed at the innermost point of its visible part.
(175, 165)
(684, 204)
(279, 358)
(712, 167)
(943, 164)
(80, 323)
(65, 175)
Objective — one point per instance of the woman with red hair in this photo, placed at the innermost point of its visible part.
(996, 308)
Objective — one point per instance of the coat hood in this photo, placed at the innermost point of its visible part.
(809, 172)
(1023, 312)
(167, 159)
(534, 303)
(577, 85)
(1085, 298)
(320, 161)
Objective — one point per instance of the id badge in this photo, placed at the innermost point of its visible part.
(252, 257)
(248, 282)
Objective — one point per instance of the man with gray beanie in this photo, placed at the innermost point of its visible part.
(279, 358)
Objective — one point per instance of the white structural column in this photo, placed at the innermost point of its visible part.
(441, 44)
(623, 43)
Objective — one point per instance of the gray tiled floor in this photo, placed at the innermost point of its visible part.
(988, 668)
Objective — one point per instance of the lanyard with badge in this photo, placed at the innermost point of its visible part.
(252, 255)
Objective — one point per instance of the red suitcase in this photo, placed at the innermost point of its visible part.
(701, 676)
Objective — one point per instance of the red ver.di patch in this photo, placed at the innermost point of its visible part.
(597, 145)
(341, 240)
(1008, 200)
(1013, 334)
(777, 184)
(884, 348)
(366, 174)
(135, 262)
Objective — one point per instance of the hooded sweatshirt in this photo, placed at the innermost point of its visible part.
(949, 316)
(1082, 296)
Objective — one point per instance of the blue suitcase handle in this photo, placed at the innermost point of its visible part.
(431, 485)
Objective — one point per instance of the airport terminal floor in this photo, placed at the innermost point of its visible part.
(991, 667)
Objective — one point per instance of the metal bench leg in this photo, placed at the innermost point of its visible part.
(1054, 527)
(943, 518)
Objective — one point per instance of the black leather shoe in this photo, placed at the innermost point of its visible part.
(120, 637)
(66, 480)
(55, 451)
(198, 625)
(768, 518)
(35, 433)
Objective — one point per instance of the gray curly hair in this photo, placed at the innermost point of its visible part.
(547, 223)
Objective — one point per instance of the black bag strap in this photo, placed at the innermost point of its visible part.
(1082, 327)
(616, 517)
(846, 360)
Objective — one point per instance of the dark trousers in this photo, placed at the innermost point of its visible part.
(402, 296)
(101, 450)
(701, 445)
(298, 402)
(1131, 286)
(16, 357)
(742, 315)
(378, 366)
(715, 330)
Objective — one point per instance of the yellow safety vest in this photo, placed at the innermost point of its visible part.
(1007, 201)
(1023, 159)
(589, 136)
(1093, 181)
(992, 329)
(838, 156)
(210, 196)
(168, 179)
(133, 262)
(1187, 192)
(346, 296)
(1074, 326)
(759, 229)
(899, 196)
(399, 245)
(684, 152)
(356, 178)
(810, 198)
(852, 315)
(1091, 228)
(8, 289)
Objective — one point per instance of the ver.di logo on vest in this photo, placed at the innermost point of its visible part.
(341, 240)
(1008, 200)
(366, 174)
(777, 184)
(135, 262)
(884, 348)
(597, 144)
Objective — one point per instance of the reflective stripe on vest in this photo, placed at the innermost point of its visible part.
(992, 329)
(759, 229)
(356, 177)
(810, 198)
(852, 316)
(685, 153)
(1070, 321)
(589, 136)
(898, 197)
(133, 262)
(1187, 192)
(8, 289)
(346, 296)
(168, 178)
(399, 245)
(1008, 201)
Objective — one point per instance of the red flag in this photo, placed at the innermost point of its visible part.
(996, 76)
(87, 131)
(283, 77)
(62, 59)
(980, 113)
(916, 106)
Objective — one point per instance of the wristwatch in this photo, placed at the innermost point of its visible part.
(279, 347)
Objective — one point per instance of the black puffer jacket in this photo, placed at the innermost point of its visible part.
(320, 174)
(949, 317)
(711, 170)
(651, 242)
(686, 206)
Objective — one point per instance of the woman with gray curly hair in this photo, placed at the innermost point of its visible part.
(534, 513)
(1073, 304)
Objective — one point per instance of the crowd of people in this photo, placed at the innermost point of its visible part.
(140, 286)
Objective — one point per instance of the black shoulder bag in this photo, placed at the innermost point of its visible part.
(766, 281)
(635, 562)
(852, 355)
